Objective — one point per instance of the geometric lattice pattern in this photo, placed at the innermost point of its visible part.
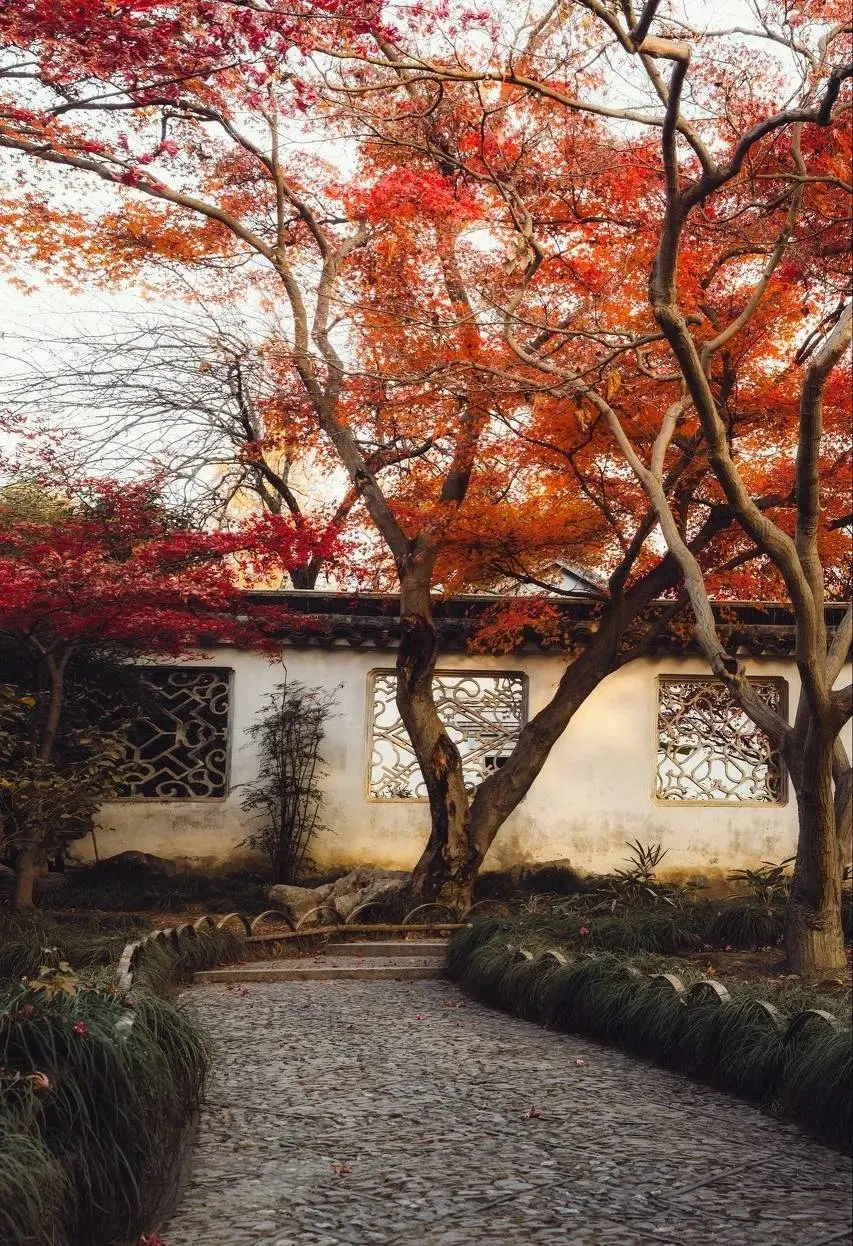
(709, 750)
(482, 714)
(177, 747)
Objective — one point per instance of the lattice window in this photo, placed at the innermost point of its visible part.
(482, 713)
(710, 751)
(177, 747)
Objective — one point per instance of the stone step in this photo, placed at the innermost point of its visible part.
(328, 969)
(390, 949)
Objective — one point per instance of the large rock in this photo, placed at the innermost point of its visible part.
(558, 876)
(297, 902)
(365, 886)
(136, 863)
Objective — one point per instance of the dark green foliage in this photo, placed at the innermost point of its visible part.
(116, 1107)
(85, 944)
(163, 963)
(742, 924)
(645, 932)
(818, 1087)
(847, 914)
(735, 1044)
(466, 940)
(746, 924)
(89, 1158)
(103, 887)
(33, 1185)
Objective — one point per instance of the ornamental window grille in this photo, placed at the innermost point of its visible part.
(710, 751)
(177, 744)
(482, 714)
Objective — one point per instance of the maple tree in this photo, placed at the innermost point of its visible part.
(464, 284)
(203, 396)
(104, 570)
(724, 296)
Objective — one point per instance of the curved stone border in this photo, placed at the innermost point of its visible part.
(705, 991)
(249, 927)
(252, 926)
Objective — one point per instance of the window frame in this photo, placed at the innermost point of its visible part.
(367, 769)
(227, 673)
(708, 803)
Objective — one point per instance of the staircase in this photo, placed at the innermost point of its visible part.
(387, 960)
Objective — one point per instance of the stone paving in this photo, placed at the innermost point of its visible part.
(401, 1114)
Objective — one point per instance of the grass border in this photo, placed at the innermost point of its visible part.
(100, 1094)
(799, 1067)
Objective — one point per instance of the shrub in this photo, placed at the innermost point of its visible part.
(115, 1107)
(97, 1089)
(745, 924)
(287, 794)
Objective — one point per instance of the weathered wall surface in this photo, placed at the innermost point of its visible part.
(595, 792)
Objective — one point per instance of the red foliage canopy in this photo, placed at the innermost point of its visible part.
(114, 570)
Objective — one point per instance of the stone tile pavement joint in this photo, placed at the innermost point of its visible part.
(352, 1113)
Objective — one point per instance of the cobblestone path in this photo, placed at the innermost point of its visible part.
(400, 1114)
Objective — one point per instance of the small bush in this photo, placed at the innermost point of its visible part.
(97, 1090)
(746, 925)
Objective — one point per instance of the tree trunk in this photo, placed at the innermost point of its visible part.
(814, 941)
(448, 865)
(26, 862)
(463, 829)
(30, 855)
(843, 779)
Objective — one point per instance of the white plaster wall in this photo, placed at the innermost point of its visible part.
(594, 792)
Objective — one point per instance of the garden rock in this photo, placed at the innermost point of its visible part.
(558, 875)
(47, 885)
(366, 887)
(296, 902)
(131, 862)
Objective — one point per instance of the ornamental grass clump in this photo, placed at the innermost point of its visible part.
(161, 963)
(87, 943)
(106, 1091)
(97, 1089)
(746, 925)
(33, 1185)
(817, 1089)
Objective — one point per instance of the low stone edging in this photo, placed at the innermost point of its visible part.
(798, 1067)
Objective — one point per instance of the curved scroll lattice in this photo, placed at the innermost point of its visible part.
(709, 750)
(177, 746)
(482, 712)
